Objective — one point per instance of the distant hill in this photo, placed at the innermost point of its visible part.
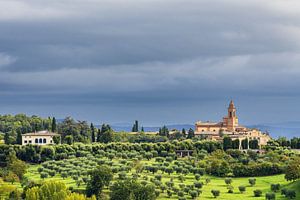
(286, 129)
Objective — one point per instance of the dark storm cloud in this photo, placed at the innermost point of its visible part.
(147, 53)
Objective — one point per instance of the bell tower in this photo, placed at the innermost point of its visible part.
(232, 120)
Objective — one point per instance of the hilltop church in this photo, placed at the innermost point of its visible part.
(229, 126)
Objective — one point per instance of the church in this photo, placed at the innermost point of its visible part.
(229, 126)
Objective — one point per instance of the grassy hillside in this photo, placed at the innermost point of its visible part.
(262, 183)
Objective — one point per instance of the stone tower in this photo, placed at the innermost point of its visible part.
(232, 120)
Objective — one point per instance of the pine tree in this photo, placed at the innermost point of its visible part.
(142, 129)
(93, 132)
(53, 126)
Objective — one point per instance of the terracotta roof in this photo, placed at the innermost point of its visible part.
(41, 133)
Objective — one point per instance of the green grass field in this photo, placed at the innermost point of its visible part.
(262, 183)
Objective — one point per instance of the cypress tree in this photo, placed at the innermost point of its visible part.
(136, 126)
(99, 135)
(53, 126)
(142, 129)
(93, 132)
(19, 137)
(183, 132)
(6, 138)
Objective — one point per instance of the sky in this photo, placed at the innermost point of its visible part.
(158, 61)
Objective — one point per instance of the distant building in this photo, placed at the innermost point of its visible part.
(230, 127)
(39, 138)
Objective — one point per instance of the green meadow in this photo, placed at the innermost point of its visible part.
(216, 183)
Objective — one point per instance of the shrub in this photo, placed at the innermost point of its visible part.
(157, 193)
(215, 193)
(181, 178)
(198, 184)
(275, 187)
(40, 169)
(242, 188)
(207, 181)
(64, 175)
(44, 175)
(180, 194)
(283, 191)
(228, 181)
(230, 189)
(193, 194)
(291, 194)
(257, 193)
(270, 196)
(252, 181)
(169, 193)
(52, 173)
(158, 177)
(197, 177)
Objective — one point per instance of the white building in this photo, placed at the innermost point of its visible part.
(39, 138)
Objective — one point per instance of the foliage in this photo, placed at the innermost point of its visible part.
(257, 193)
(292, 171)
(99, 177)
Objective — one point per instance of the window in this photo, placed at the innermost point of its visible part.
(36, 140)
(41, 140)
(214, 130)
(50, 141)
(25, 141)
(30, 141)
(44, 140)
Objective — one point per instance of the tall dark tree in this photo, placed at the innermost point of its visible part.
(19, 137)
(142, 129)
(164, 131)
(183, 132)
(245, 144)
(99, 135)
(253, 144)
(53, 125)
(106, 134)
(236, 144)
(93, 132)
(227, 143)
(135, 127)
(191, 134)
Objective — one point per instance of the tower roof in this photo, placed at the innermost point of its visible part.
(231, 104)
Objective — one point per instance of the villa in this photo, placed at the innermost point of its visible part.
(39, 138)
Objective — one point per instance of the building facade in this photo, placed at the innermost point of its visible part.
(229, 126)
(39, 138)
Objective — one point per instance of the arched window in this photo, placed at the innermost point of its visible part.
(44, 140)
(36, 140)
(41, 140)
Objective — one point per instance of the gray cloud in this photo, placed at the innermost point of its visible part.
(148, 53)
